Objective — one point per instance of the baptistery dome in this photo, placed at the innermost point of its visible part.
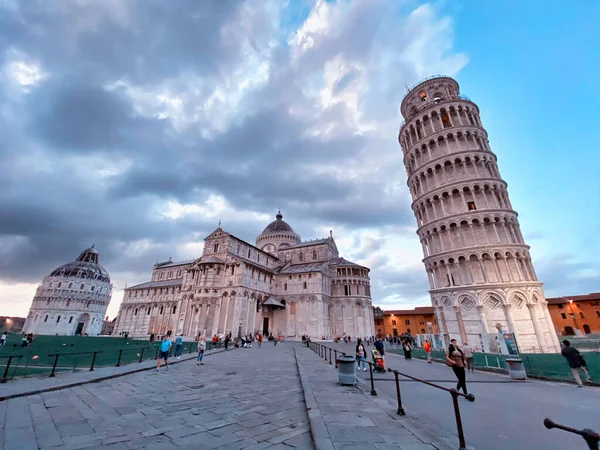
(71, 300)
(277, 235)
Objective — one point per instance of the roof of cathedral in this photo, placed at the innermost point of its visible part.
(156, 284)
(278, 225)
(210, 259)
(345, 262)
(170, 263)
(85, 266)
(306, 267)
(271, 301)
(313, 242)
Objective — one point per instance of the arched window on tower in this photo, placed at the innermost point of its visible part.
(161, 310)
(135, 312)
(149, 311)
(216, 248)
(58, 319)
(305, 285)
(314, 254)
(70, 319)
(301, 256)
(285, 286)
(346, 290)
(174, 309)
(445, 119)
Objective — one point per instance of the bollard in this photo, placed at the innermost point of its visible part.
(401, 411)
(336, 363)
(329, 355)
(373, 391)
(93, 361)
(156, 353)
(142, 354)
(459, 427)
(119, 360)
(54, 366)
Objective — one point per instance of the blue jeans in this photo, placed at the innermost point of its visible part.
(362, 362)
(178, 350)
(200, 355)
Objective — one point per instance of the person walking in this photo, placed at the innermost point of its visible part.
(576, 362)
(407, 347)
(165, 347)
(427, 348)
(226, 341)
(456, 359)
(260, 338)
(178, 346)
(201, 350)
(380, 348)
(361, 355)
(3, 339)
(468, 352)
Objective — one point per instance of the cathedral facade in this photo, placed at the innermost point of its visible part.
(281, 285)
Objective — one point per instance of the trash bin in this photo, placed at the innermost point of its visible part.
(347, 370)
(516, 369)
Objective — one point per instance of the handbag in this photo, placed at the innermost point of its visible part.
(449, 363)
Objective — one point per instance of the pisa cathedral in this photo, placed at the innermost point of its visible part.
(480, 272)
(280, 285)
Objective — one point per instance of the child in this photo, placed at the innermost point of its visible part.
(201, 348)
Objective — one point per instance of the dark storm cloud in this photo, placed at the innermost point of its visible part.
(105, 63)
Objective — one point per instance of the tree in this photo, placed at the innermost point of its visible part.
(377, 311)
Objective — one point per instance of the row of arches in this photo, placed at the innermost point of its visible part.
(137, 293)
(470, 232)
(438, 119)
(488, 267)
(450, 171)
(460, 199)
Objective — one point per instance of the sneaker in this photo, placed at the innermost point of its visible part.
(201, 364)
(178, 357)
(197, 364)
(365, 369)
(158, 370)
(580, 386)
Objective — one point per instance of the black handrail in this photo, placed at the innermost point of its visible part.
(10, 358)
(318, 348)
(591, 438)
(58, 355)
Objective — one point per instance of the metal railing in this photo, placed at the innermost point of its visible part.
(7, 367)
(322, 350)
(58, 355)
(591, 438)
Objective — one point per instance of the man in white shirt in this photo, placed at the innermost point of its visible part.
(468, 352)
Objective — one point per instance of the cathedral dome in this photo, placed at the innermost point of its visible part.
(278, 234)
(278, 225)
(85, 266)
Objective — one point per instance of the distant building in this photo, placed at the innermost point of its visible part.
(420, 320)
(575, 314)
(71, 300)
(11, 324)
(108, 326)
(281, 285)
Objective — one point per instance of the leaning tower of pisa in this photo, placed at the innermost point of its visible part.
(480, 273)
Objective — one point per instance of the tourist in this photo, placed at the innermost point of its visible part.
(427, 348)
(227, 339)
(215, 339)
(407, 348)
(468, 351)
(165, 347)
(201, 349)
(576, 362)
(380, 348)
(260, 338)
(178, 346)
(361, 355)
(3, 338)
(456, 359)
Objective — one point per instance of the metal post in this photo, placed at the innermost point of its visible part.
(592, 439)
(142, 354)
(156, 353)
(330, 355)
(93, 361)
(401, 411)
(459, 427)
(119, 360)
(373, 391)
(336, 362)
(5, 376)
(54, 366)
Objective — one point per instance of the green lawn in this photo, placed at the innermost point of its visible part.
(36, 360)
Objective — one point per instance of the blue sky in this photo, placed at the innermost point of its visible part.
(136, 126)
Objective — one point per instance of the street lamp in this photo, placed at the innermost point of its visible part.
(572, 314)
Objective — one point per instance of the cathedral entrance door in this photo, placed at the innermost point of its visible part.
(265, 326)
(79, 328)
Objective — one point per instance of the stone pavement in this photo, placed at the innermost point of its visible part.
(241, 399)
(349, 418)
